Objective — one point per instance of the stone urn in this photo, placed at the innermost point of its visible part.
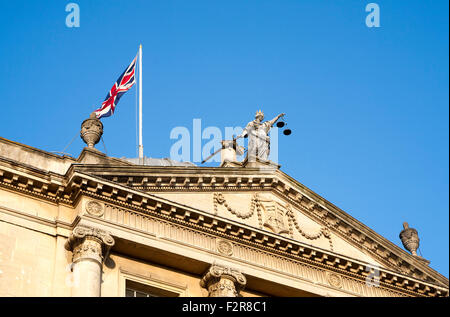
(91, 130)
(410, 238)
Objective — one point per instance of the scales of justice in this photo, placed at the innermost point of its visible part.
(258, 149)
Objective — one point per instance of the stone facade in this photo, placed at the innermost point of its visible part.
(100, 226)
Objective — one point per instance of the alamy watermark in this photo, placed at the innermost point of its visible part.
(73, 18)
(373, 18)
(190, 145)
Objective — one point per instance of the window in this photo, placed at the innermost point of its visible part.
(136, 284)
(135, 289)
(133, 293)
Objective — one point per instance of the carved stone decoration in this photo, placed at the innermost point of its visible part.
(334, 279)
(275, 216)
(324, 231)
(89, 246)
(219, 199)
(91, 130)
(94, 208)
(224, 247)
(278, 218)
(221, 281)
(410, 238)
(91, 243)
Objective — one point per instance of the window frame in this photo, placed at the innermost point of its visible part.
(172, 287)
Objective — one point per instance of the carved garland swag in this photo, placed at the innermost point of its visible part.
(256, 204)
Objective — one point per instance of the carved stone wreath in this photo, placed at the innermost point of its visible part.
(94, 208)
(224, 247)
(334, 280)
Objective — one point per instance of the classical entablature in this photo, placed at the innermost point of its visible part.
(259, 220)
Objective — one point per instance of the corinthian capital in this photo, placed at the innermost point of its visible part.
(221, 281)
(89, 243)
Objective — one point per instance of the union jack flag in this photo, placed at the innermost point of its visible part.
(122, 85)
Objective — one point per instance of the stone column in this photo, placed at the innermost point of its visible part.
(90, 246)
(221, 281)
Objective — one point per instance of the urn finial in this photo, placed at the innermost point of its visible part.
(91, 130)
(410, 239)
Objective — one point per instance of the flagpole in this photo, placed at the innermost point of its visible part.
(141, 147)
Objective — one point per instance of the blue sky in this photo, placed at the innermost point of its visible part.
(368, 107)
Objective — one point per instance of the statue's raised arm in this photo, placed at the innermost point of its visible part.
(274, 120)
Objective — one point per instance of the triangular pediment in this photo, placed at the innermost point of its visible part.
(270, 212)
(282, 206)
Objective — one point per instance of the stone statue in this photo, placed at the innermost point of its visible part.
(259, 140)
